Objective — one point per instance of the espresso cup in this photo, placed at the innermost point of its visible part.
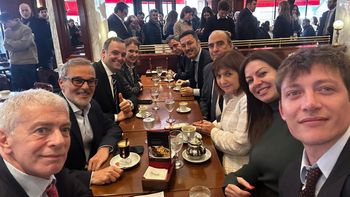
(143, 111)
(183, 106)
(188, 131)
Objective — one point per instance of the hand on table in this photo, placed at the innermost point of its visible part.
(181, 82)
(98, 159)
(186, 91)
(204, 126)
(122, 115)
(234, 191)
(107, 175)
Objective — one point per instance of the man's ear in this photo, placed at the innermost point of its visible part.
(60, 83)
(4, 144)
(281, 110)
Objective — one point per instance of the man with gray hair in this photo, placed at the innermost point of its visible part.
(93, 135)
(34, 140)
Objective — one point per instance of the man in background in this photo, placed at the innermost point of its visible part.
(247, 24)
(116, 20)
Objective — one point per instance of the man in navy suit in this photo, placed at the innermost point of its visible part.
(93, 135)
(113, 92)
(116, 20)
(199, 57)
(247, 24)
(314, 85)
(34, 141)
(327, 20)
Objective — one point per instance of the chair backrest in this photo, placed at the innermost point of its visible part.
(47, 75)
(4, 82)
(42, 85)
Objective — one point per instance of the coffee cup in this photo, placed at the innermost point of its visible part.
(143, 111)
(188, 131)
(183, 106)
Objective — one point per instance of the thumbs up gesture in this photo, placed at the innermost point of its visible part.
(124, 104)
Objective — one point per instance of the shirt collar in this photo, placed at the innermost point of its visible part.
(328, 160)
(108, 71)
(118, 17)
(33, 186)
(198, 56)
(218, 17)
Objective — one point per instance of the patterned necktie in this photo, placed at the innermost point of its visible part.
(115, 90)
(311, 180)
(51, 190)
(195, 73)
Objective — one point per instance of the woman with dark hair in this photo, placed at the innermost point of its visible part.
(184, 24)
(282, 27)
(230, 134)
(169, 23)
(206, 13)
(296, 24)
(273, 147)
(134, 28)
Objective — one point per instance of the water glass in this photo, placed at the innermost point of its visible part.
(199, 191)
(176, 142)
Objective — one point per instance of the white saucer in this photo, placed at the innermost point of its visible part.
(204, 158)
(167, 80)
(135, 159)
(148, 114)
(176, 88)
(195, 134)
(183, 111)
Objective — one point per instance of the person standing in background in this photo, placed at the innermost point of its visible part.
(116, 20)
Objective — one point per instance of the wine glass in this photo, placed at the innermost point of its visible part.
(155, 95)
(170, 105)
(159, 70)
(124, 152)
(176, 142)
(168, 78)
(156, 80)
(148, 123)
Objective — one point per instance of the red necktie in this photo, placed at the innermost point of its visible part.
(311, 180)
(51, 190)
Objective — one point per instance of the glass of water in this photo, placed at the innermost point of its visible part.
(148, 123)
(159, 70)
(170, 105)
(199, 191)
(155, 95)
(176, 142)
(156, 80)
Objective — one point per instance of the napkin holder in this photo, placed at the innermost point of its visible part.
(157, 139)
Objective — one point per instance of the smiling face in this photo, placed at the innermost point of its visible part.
(132, 53)
(39, 143)
(314, 105)
(175, 47)
(260, 78)
(228, 80)
(79, 95)
(190, 46)
(218, 43)
(114, 56)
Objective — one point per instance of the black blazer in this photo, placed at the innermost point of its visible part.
(183, 68)
(103, 93)
(204, 59)
(208, 100)
(105, 132)
(213, 23)
(134, 83)
(246, 26)
(323, 23)
(67, 185)
(152, 33)
(282, 28)
(116, 25)
(337, 184)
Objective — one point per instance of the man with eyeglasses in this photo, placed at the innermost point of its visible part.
(93, 136)
(113, 92)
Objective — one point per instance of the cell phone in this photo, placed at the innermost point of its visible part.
(137, 149)
(144, 101)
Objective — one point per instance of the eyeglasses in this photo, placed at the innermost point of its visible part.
(77, 81)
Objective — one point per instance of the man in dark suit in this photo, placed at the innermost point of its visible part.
(219, 42)
(116, 21)
(112, 91)
(152, 30)
(327, 20)
(220, 21)
(247, 24)
(34, 141)
(314, 89)
(182, 61)
(199, 59)
(93, 136)
(42, 35)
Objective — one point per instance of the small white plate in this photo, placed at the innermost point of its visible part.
(148, 114)
(201, 160)
(176, 88)
(167, 80)
(135, 159)
(195, 134)
(183, 111)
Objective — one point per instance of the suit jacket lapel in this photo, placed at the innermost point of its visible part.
(105, 81)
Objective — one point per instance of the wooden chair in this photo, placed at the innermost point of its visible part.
(49, 76)
(42, 85)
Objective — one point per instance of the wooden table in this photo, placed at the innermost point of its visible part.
(209, 174)
(164, 93)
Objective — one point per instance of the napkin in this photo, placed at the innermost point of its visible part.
(155, 173)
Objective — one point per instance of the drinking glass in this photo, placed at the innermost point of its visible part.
(168, 78)
(148, 123)
(170, 105)
(124, 152)
(155, 95)
(176, 142)
(199, 191)
(156, 80)
(159, 70)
